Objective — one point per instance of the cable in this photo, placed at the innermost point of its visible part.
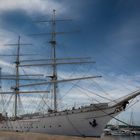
(42, 97)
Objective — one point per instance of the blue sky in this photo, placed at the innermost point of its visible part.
(109, 33)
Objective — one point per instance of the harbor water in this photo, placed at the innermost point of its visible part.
(37, 136)
(121, 137)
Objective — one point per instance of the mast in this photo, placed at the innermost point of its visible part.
(54, 61)
(53, 47)
(17, 77)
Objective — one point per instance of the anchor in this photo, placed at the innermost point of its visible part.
(93, 123)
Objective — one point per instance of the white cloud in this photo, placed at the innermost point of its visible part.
(5, 38)
(114, 84)
(31, 6)
(6, 64)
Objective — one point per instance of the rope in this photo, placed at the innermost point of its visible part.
(7, 104)
(39, 94)
(74, 84)
(93, 93)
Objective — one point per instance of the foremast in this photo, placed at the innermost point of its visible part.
(17, 77)
(54, 74)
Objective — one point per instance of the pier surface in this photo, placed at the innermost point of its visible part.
(37, 136)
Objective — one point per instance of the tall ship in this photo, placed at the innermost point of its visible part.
(85, 121)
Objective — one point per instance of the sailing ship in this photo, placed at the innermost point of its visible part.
(84, 121)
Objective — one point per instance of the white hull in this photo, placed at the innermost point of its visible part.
(88, 121)
(75, 122)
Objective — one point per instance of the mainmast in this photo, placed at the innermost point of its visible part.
(53, 45)
(16, 89)
(54, 61)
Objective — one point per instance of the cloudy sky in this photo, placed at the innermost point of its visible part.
(109, 33)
